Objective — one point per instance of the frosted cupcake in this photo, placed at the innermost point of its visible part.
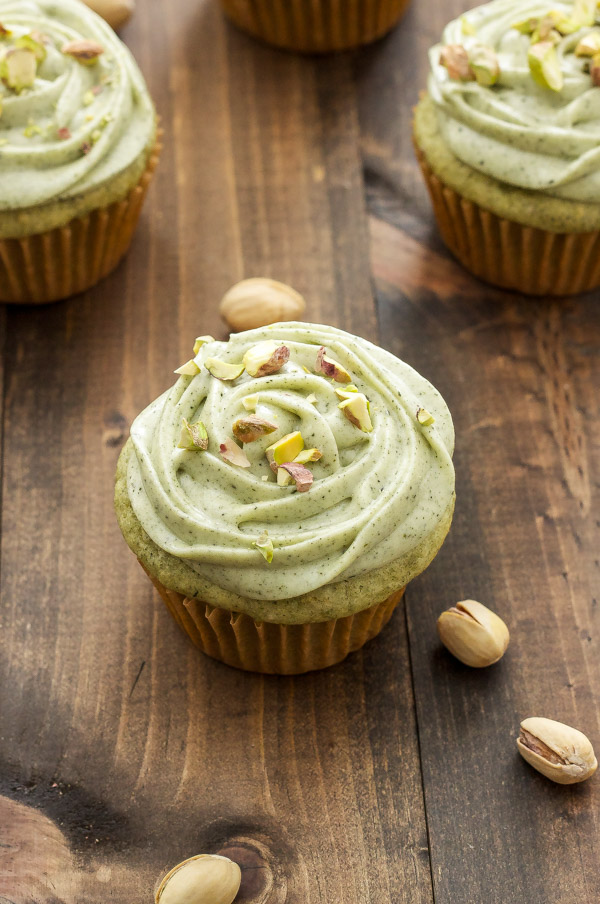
(508, 137)
(315, 26)
(77, 149)
(285, 490)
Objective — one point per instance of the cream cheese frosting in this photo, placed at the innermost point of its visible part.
(77, 126)
(516, 131)
(375, 497)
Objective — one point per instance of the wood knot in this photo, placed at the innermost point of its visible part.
(262, 882)
(115, 429)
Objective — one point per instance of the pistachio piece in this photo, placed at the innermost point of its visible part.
(544, 65)
(331, 368)
(311, 398)
(424, 417)
(308, 455)
(248, 429)
(527, 26)
(222, 370)
(204, 879)
(547, 28)
(473, 633)
(584, 14)
(85, 52)
(484, 64)
(346, 392)
(301, 476)
(595, 70)
(265, 546)
(356, 409)
(250, 402)
(589, 45)
(285, 449)
(32, 42)
(194, 437)
(257, 302)
(4, 32)
(200, 341)
(265, 358)
(18, 68)
(456, 60)
(466, 27)
(559, 752)
(232, 453)
(189, 369)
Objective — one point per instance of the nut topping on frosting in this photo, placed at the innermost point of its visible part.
(194, 437)
(232, 453)
(266, 358)
(356, 409)
(302, 477)
(544, 65)
(222, 370)
(265, 547)
(331, 368)
(456, 60)
(424, 417)
(285, 449)
(85, 52)
(18, 68)
(189, 369)
(200, 341)
(248, 429)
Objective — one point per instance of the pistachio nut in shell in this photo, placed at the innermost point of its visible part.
(561, 753)
(204, 879)
(473, 633)
(257, 302)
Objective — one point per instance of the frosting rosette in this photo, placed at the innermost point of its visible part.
(291, 457)
(76, 114)
(531, 119)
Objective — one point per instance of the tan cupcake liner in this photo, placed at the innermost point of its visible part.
(315, 26)
(508, 254)
(239, 641)
(61, 262)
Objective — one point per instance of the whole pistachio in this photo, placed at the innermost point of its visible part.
(473, 633)
(259, 301)
(559, 752)
(204, 879)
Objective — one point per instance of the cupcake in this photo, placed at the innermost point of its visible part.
(508, 138)
(284, 491)
(78, 144)
(315, 26)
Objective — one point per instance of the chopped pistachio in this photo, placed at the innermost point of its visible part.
(584, 13)
(85, 148)
(356, 410)
(222, 370)
(484, 64)
(331, 368)
(301, 476)
(194, 437)
(424, 417)
(285, 449)
(311, 398)
(248, 429)
(544, 65)
(266, 358)
(189, 369)
(4, 32)
(589, 45)
(32, 129)
(232, 453)
(85, 52)
(18, 68)
(467, 27)
(32, 42)
(265, 547)
(527, 26)
(595, 70)
(250, 402)
(308, 455)
(455, 59)
(346, 392)
(200, 340)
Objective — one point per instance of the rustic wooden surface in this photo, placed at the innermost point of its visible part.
(392, 778)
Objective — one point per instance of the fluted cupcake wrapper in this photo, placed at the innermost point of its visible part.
(61, 262)
(239, 641)
(509, 254)
(315, 26)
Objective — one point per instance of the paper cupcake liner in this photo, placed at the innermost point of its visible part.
(508, 254)
(315, 26)
(61, 262)
(239, 641)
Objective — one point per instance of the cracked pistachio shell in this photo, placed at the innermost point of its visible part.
(561, 753)
(473, 633)
(205, 879)
(257, 302)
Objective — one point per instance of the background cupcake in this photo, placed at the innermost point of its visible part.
(315, 26)
(77, 149)
(285, 490)
(508, 138)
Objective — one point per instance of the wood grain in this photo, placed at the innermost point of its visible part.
(394, 777)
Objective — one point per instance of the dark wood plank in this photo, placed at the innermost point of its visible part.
(122, 749)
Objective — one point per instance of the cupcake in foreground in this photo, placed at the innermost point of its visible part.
(77, 149)
(318, 26)
(508, 138)
(285, 490)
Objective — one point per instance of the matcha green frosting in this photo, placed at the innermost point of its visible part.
(78, 127)
(516, 131)
(377, 497)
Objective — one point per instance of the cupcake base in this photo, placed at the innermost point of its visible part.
(61, 262)
(315, 26)
(508, 254)
(239, 641)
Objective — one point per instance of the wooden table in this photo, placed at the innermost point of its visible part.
(393, 777)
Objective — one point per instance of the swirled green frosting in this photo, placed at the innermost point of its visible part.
(77, 126)
(375, 496)
(517, 131)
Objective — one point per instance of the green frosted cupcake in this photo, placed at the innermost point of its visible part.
(77, 148)
(281, 511)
